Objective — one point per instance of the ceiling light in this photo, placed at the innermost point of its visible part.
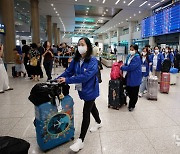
(117, 2)
(149, 4)
(89, 1)
(104, 12)
(143, 3)
(87, 11)
(88, 8)
(104, 1)
(103, 15)
(126, 19)
(54, 8)
(155, 5)
(107, 10)
(124, 2)
(76, 0)
(119, 23)
(15, 7)
(52, 4)
(56, 12)
(130, 2)
(162, 1)
(122, 22)
(17, 4)
(23, 8)
(139, 11)
(86, 14)
(134, 14)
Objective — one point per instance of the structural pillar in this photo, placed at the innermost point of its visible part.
(49, 28)
(110, 34)
(35, 21)
(58, 36)
(131, 30)
(7, 13)
(119, 29)
(55, 33)
(152, 42)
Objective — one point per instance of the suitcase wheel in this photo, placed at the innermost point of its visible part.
(72, 138)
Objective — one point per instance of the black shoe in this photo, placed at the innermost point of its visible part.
(131, 109)
(1, 92)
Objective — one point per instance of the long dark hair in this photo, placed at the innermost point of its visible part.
(88, 53)
(45, 44)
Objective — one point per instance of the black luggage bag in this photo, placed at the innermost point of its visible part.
(117, 96)
(11, 145)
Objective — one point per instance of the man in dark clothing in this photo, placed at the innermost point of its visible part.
(41, 51)
(25, 52)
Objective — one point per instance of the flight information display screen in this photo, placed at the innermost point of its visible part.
(164, 22)
(2, 29)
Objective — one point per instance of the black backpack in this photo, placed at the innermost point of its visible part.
(166, 65)
(43, 92)
(11, 145)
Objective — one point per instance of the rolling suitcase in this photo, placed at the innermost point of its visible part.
(54, 117)
(173, 76)
(54, 128)
(165, 83)
(152, 88)
(116, 97)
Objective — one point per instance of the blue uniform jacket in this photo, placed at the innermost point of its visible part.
(86, 74)
(145, 64)
(134, 71)
(159, 62)
(170, 56)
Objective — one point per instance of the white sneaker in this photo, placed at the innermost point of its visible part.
(78, 145)
(140, 94)
(145, 91)
(96, 127)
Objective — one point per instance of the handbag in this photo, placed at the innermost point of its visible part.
(33, 61)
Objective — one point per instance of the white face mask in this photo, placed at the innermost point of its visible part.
(82, 49)
(172, 50)
(144, 53)
(166, 51)
(132, 52)
(156, 51)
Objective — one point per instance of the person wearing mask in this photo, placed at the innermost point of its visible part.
(4, 80)
(41, 51)
(19, 65)
(48, 59)
(133, 71)
(145, 72)
(35, 57)
(82, 72)
(169, 55)
(156, 61)
(25, 53)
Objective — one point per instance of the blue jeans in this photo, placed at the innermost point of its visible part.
(143, 85)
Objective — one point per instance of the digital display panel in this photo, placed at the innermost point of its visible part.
(164, 22)
(2, 29)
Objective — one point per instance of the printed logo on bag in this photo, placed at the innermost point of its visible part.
(57, 126)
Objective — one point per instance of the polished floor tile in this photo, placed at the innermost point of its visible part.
(153, 127)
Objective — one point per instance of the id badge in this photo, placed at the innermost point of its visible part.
(143, 69)
(78, 87)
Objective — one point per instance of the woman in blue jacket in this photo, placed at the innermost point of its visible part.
(83, 72)
(169, 55)
(156, 60)
(145, 72)
(133, 76)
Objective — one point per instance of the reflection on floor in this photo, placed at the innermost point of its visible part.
(153, 127)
